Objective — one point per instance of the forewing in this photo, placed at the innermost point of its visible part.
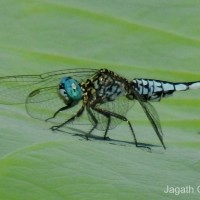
(15, 89)
(53, 78)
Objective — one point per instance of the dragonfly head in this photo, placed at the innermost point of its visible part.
(70, 89)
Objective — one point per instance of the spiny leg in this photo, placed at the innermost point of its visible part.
(111, 114)
(108, 113)
(56, 113)
(60, 110)
(107, 127)
(94, 120)
(78, 114)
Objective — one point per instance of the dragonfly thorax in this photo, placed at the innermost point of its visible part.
(70, 89)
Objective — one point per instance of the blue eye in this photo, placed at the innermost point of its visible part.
(72, 89)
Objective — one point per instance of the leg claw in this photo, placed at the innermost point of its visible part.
(148, 149)
(106, 138)
(54, 128)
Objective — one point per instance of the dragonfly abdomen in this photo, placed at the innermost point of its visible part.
(155, 90)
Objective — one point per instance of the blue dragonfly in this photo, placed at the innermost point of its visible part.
(62, 97)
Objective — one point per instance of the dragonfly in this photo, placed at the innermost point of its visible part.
(62, 97)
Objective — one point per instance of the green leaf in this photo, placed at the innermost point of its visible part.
(148, 39)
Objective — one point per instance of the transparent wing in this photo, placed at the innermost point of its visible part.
(151, 115)
(15, 89)
(120, 105)
(154, 115)
(44, 102)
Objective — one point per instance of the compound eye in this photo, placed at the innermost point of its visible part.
(70, 89)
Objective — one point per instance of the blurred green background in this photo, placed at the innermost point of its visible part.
(146, 38)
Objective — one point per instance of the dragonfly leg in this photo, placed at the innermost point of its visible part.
(56, 113)
(107, 127)
(78, 114)
(123, 118)
(94, 120)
